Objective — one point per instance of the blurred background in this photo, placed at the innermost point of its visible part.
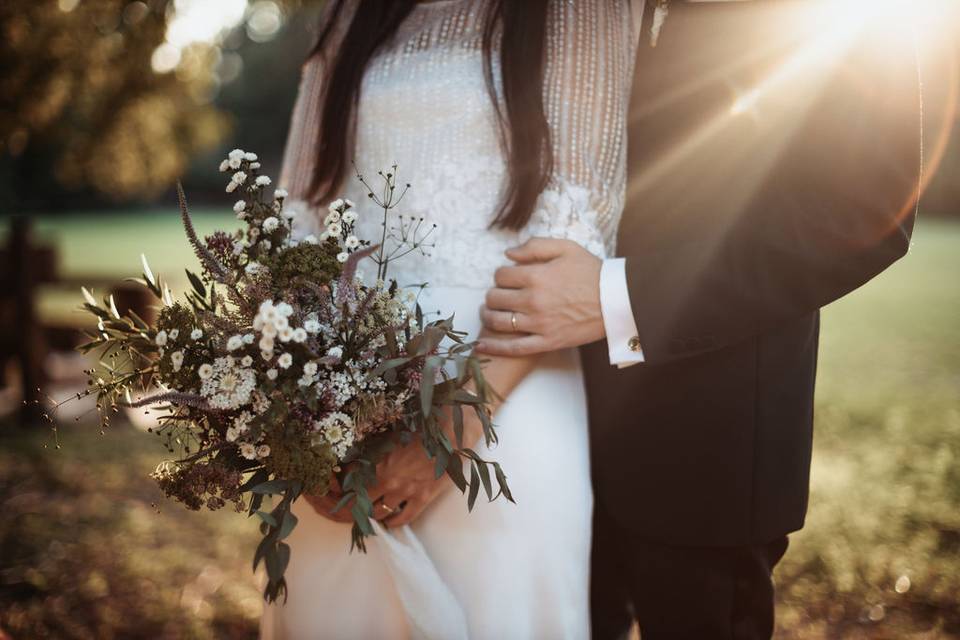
(104, 104)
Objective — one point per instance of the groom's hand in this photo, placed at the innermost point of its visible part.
(553, 292)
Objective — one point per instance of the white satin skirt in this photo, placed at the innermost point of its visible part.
(505, 571)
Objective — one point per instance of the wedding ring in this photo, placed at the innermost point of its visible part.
(513, 321)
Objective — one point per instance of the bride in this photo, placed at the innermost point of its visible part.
(508, 120)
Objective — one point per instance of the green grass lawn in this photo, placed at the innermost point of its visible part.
(85, 553)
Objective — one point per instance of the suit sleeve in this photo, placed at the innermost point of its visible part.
(835, 210)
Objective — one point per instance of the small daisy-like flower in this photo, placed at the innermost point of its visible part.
(234, 343)
(350, 217)
(205, 371)
(267, 245)
(271, 374)
(352, 242)
(349, 204)
(336, 205)
(263, 451)
(240, 206)
(239, 177)
(232, 434)
(343, 256)
(311, 326)
(334, 229)
(246, 361)
(196, 334)
(253, 268)
(248, 451)
(299, 335)
(254, 165)
(224, 166)
(270, 224)
(262, 181)
(285, 360)
(248, 338)
(250, 157)
(284, 309)
(310, 369)
(176, 358)
(280, 194)
(161, 338)
(231, 187)
(333, 216)
(335, 352)
(285, 334)
(266, 343)
(174, 333)
(236, 153)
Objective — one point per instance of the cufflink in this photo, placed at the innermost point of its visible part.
(634, 344)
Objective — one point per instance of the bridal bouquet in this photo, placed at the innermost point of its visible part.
(283, 373)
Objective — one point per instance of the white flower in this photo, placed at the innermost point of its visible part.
(284, 309)
(285, 334)
(311, 239)
(334, 229)
(349, 204)
(266, 343)
(299, 335)
(250, 157)
(343, 256)
(237, 248)
(262, 181)
(248, 451)
(281, 322)
(266, 355)
(174, 333)
(350, 217)
(333, 216)
(335, 352)
(232, 434)
(311, 326)
(231, 187)
(236, 153)
(335, 205)
(269, 330)
(239, 177)
(270, 224)
(205, 371)
(254, 165)
(310, 369)
(234, 163)
(253, 268)
(266, 244)
(196, 334)
(176, 358)
(224, 166)
(234, 343)
(285, 360)
(305, 381)
(240, 206)
(246, 361)
(280, 194)
(263, 451)
(248, 338)
(352, 242)
(271, 374)
(161, 338)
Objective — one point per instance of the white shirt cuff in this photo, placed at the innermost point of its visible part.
(618, 321)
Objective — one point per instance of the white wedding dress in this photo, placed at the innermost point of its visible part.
(506, 570)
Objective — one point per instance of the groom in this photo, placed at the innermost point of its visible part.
(774, 157)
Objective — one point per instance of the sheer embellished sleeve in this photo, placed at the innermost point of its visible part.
(300, 152)
(589, 68)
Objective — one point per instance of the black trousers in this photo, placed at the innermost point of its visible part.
(679, 593)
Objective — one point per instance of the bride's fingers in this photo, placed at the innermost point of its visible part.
(515, 346)
(411, 511)
(324, 505)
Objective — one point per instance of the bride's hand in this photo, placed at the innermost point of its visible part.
(408, 484)
(325, 504)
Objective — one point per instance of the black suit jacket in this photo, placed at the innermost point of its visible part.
(774, 160)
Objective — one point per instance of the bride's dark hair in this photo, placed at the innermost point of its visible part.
(518, 26)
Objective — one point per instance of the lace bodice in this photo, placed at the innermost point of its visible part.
(424, 106)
